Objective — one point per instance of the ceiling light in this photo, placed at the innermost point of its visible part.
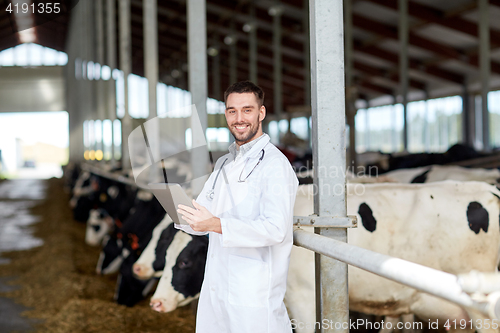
(213, 51)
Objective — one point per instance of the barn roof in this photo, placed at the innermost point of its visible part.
(443, 52)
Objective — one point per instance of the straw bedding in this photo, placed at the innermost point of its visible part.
(58, 280)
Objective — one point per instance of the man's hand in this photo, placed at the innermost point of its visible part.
(200, 219)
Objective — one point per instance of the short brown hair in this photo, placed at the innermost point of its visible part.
(245, 87)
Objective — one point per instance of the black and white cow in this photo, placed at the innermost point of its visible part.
(114, 205)
(179, 259)
(455, 153)
(124, 248)
(143, 267)
(134, 234)
(183, 269)
(450, 226)
(436, 173)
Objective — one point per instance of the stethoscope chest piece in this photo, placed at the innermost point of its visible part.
(210, 195)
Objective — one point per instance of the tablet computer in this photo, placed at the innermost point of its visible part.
(170, 195)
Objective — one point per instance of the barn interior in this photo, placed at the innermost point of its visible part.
(83, 82)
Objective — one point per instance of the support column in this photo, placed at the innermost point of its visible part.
(150, 19)
(216, 70)
(197, 59)
(126, 67)
(404, 32)
(485, 68)
(87, 53)
(426, 135)
(76, 146)
(233, 56)
(252, 46)
(468, 117)
(275, 12)
(111, 62)
(328, 112)
(350, 89)
(99, 83)
(307, 65)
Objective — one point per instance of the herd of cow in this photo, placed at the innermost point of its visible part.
(444, 217)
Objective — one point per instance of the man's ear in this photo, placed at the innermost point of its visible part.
(262, 113)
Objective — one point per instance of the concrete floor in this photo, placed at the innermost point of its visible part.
(16, 198)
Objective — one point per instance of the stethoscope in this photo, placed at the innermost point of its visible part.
(210, 194)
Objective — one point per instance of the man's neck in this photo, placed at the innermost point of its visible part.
(258, 135)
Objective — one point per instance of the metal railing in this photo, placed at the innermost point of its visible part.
(432, 281)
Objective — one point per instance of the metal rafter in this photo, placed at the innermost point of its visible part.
(433, 15)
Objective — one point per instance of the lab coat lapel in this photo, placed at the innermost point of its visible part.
(222, 197)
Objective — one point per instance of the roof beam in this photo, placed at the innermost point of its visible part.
(447, 52)
(413, 63)
(391, 32)
(376, 88)
(429, 14)
(375, 71)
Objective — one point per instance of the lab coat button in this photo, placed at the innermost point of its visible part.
(212, 288)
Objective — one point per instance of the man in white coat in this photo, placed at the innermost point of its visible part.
(246, 207)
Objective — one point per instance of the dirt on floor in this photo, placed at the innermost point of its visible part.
(58, 280)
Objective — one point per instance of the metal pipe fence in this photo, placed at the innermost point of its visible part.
(444, 285)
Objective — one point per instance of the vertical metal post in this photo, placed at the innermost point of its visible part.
(197, 59)
(307, 64)
(404, 32)
(427, 141)
(277, 69)
(88, 56)
(252, 46)
(150, 21)
(328, 112)
(367, 126)
(126, 67)
(76, 149)
(80, 89)
(485, 67)
(216, 70)
(393, 124)
(350, 93)
(468, 117)
(98, 85)
(111, 62)
(233, 56)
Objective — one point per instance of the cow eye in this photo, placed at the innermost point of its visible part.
(184, 263)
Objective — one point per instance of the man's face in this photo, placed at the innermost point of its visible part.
(244, 117)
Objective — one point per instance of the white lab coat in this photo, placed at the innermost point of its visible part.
(247, 265)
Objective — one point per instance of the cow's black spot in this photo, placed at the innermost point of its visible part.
(477, 217)
(189, 269)
(367, 218)
(96, 227)
(166, 238)
(498, 197)
(305, 180)
(421, 178)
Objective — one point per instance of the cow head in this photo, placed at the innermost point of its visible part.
(99, 225)
(183, 274)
